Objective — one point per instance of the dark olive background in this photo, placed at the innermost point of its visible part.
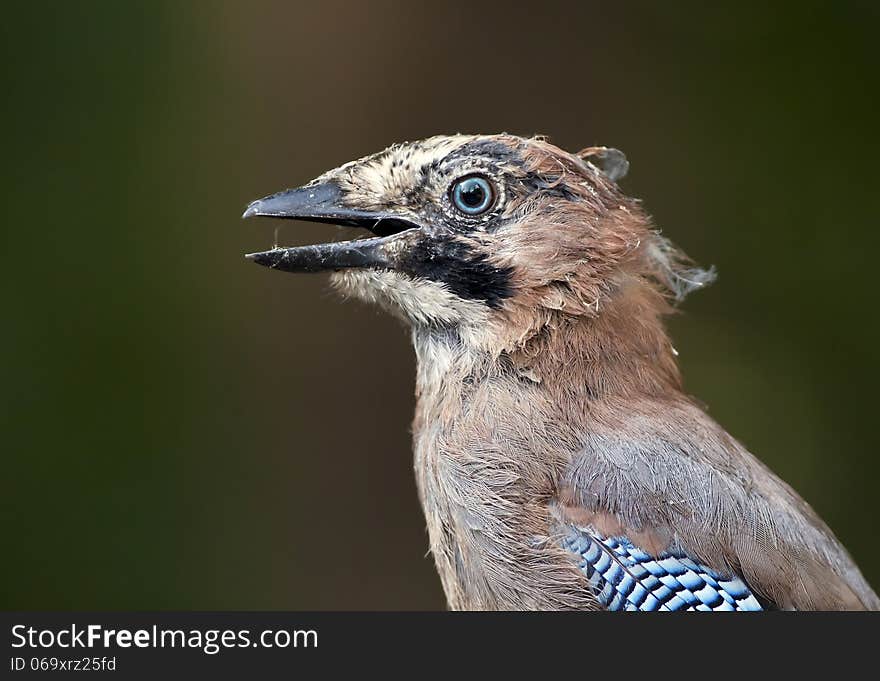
(182, 429)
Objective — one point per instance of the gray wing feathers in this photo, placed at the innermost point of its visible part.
(693, 488)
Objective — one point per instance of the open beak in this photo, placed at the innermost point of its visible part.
(323, 202)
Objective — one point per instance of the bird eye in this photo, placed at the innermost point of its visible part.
(472, 195)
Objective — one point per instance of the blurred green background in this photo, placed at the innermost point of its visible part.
(182, 429)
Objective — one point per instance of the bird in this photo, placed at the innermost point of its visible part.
(559, 462)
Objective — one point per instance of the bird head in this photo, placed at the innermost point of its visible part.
(498, 237)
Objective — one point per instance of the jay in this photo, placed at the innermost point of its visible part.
(559, 463)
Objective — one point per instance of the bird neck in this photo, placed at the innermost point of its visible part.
(620, 351)
(623, 350)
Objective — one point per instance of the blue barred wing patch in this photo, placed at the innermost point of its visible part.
(626, 578)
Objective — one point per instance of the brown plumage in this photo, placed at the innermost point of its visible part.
(548, 395)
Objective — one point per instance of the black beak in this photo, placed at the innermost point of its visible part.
(323, 202)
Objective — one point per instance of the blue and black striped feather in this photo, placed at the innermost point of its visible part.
(625, 577)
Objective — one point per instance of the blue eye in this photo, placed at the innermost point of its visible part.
(472, 195)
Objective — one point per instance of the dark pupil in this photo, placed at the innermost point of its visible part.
(472, 193)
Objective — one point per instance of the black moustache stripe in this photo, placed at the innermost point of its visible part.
(466, 272)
